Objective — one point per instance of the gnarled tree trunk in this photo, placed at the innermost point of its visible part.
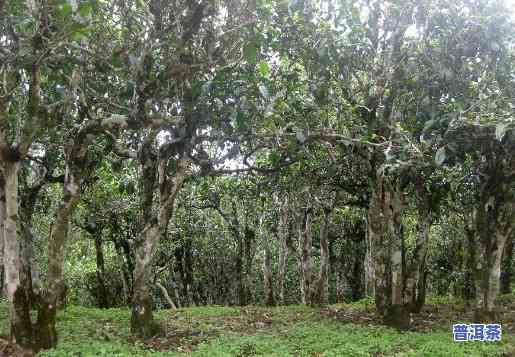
(142, 320)
(385, 237)
(46, 336)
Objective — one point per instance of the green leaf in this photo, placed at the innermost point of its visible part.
(85, 9)
(440, 156)
(274, 158)
(65, 10)
(264, 68)
(250, 52)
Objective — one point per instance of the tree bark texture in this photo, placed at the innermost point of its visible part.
(385, 234)
(142, 321)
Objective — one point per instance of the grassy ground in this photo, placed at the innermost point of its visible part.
(340, 330)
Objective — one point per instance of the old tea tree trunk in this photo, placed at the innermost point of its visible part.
(20, 325)
(384, 230)
(142, 321)
(78, 166)
(494, 224)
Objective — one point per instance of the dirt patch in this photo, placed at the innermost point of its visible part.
(174, 340)
(9, 349)
(185, 334)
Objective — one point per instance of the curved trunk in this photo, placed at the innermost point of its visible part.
(166, 296)
(142, 319)
(46, 334)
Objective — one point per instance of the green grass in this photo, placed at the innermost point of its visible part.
(252, 331)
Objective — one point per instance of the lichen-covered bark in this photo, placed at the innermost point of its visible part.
(494, 224)
(385, 235)
(142, 316)
(20, 325)
(142, 322)
(416, 279)
(369, 265)
(46, 334)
